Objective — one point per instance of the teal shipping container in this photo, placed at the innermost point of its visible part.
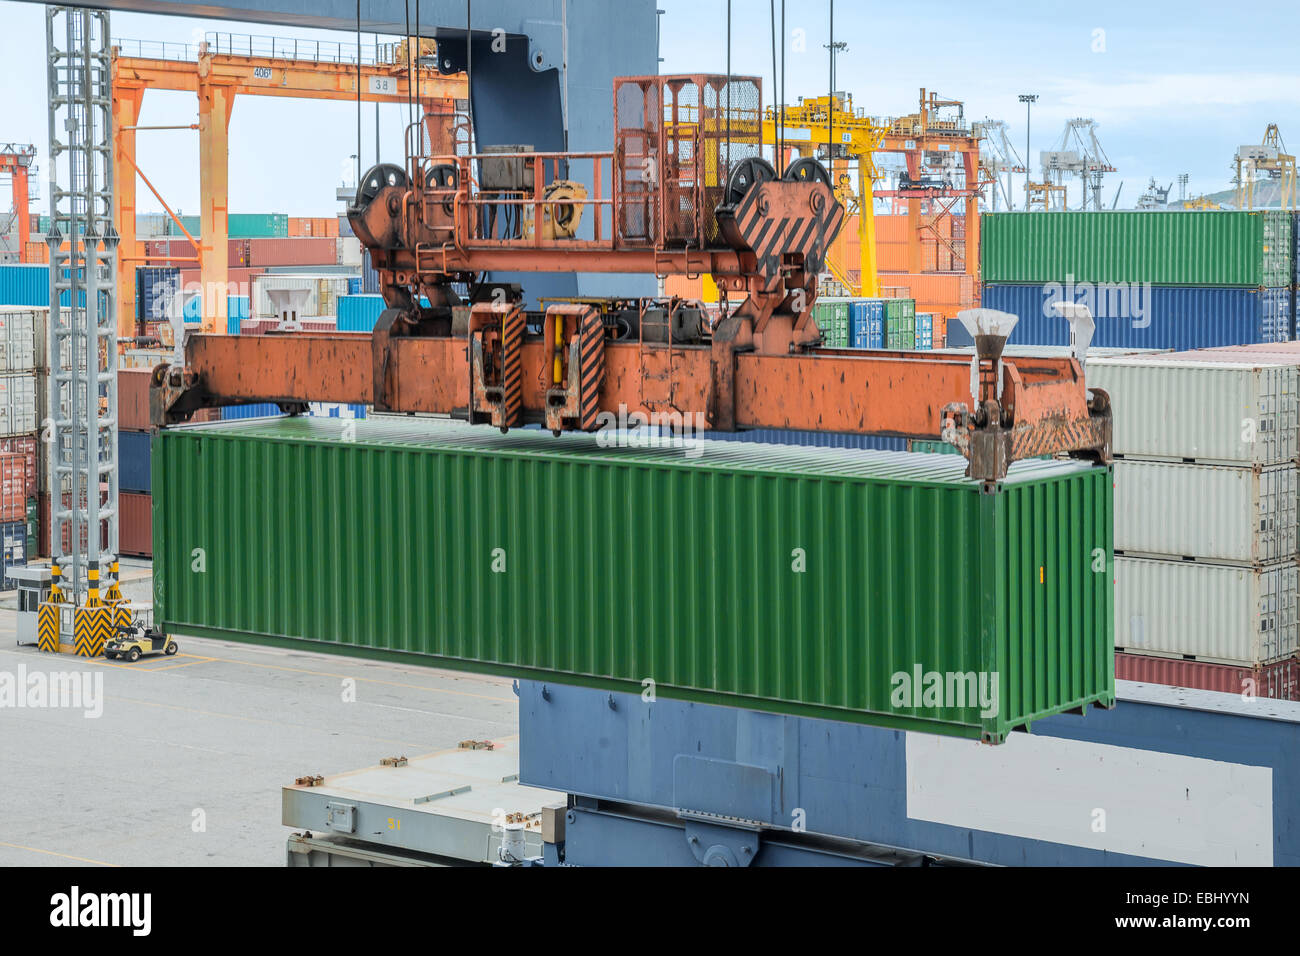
(236, 311)
(873, 587)
(274, 225)
(359, 313)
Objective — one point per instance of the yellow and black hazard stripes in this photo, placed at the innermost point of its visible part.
(512, 369)
(573, 400)
(591, 357)
(776, 220)
(496, 385)
(47, 628)
(91, 628)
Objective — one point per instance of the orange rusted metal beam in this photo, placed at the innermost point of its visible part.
(895, 393)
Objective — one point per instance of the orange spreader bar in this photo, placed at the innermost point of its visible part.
(893, 393)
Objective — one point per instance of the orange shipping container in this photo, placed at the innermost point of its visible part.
(933, 289)
(36, 253)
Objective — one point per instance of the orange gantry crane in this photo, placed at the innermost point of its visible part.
(16, 163)
(926, 139)
(684, 191)
(224, 70)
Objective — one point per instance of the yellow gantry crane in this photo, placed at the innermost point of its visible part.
(811, 125)
(1268, 157)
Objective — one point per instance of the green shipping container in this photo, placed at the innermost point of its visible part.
(816, 582)
(273, 225)
(1211, 248)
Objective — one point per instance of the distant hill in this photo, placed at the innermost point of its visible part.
(1266, 194)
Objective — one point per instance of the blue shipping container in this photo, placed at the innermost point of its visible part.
(157, 289)
(358, 313)
(789, 436)
(1150, 317)
(133, 472)
(13, 538)
(369, 277)
(867, 323)
(354, 286)
(24, 285)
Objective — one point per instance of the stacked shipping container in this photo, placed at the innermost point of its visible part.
(871, 323)
(1185, 279)
(23, 383)
(1206, 495)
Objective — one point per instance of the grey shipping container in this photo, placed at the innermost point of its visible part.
(1213, 513)
(1171, 408)
(1208, 612)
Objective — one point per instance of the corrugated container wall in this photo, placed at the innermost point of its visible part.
(23, 331)
(1277, 681)
(240, 225)
(1217, 248)
(135, 527)
(292, 252)
(18, 404)
(359, 313)
(1209, 512)
(1150, 317)
(1213, 412)
(1209, 612)
(806, 638)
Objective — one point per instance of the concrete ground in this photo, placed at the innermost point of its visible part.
(184, 765)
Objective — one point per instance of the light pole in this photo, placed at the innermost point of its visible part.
(1029, 99)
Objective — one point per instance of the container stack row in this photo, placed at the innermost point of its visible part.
(861, 323)
(23, 383)
(1152, 280)
(1207, 500)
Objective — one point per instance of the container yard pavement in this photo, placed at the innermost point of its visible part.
(209, 737)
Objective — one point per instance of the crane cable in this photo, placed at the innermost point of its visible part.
(728, 161)
(358, 98)
(776, 110)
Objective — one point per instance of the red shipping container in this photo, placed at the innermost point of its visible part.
(13, 487)
(1277, 681)
(30, 447)
(135, 524)
(297, 251)
(133, 398)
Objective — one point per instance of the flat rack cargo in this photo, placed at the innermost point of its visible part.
(815, 582)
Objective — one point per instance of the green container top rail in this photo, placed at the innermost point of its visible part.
(813, 582)
(1250, 249)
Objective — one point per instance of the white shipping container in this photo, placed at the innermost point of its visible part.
(22, 337)
(18, 407)
(1210, 412)
(349, 251)
(1210, 612)
(1215, 513)
(323, 292)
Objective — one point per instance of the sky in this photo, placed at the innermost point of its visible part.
(1175, 87)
